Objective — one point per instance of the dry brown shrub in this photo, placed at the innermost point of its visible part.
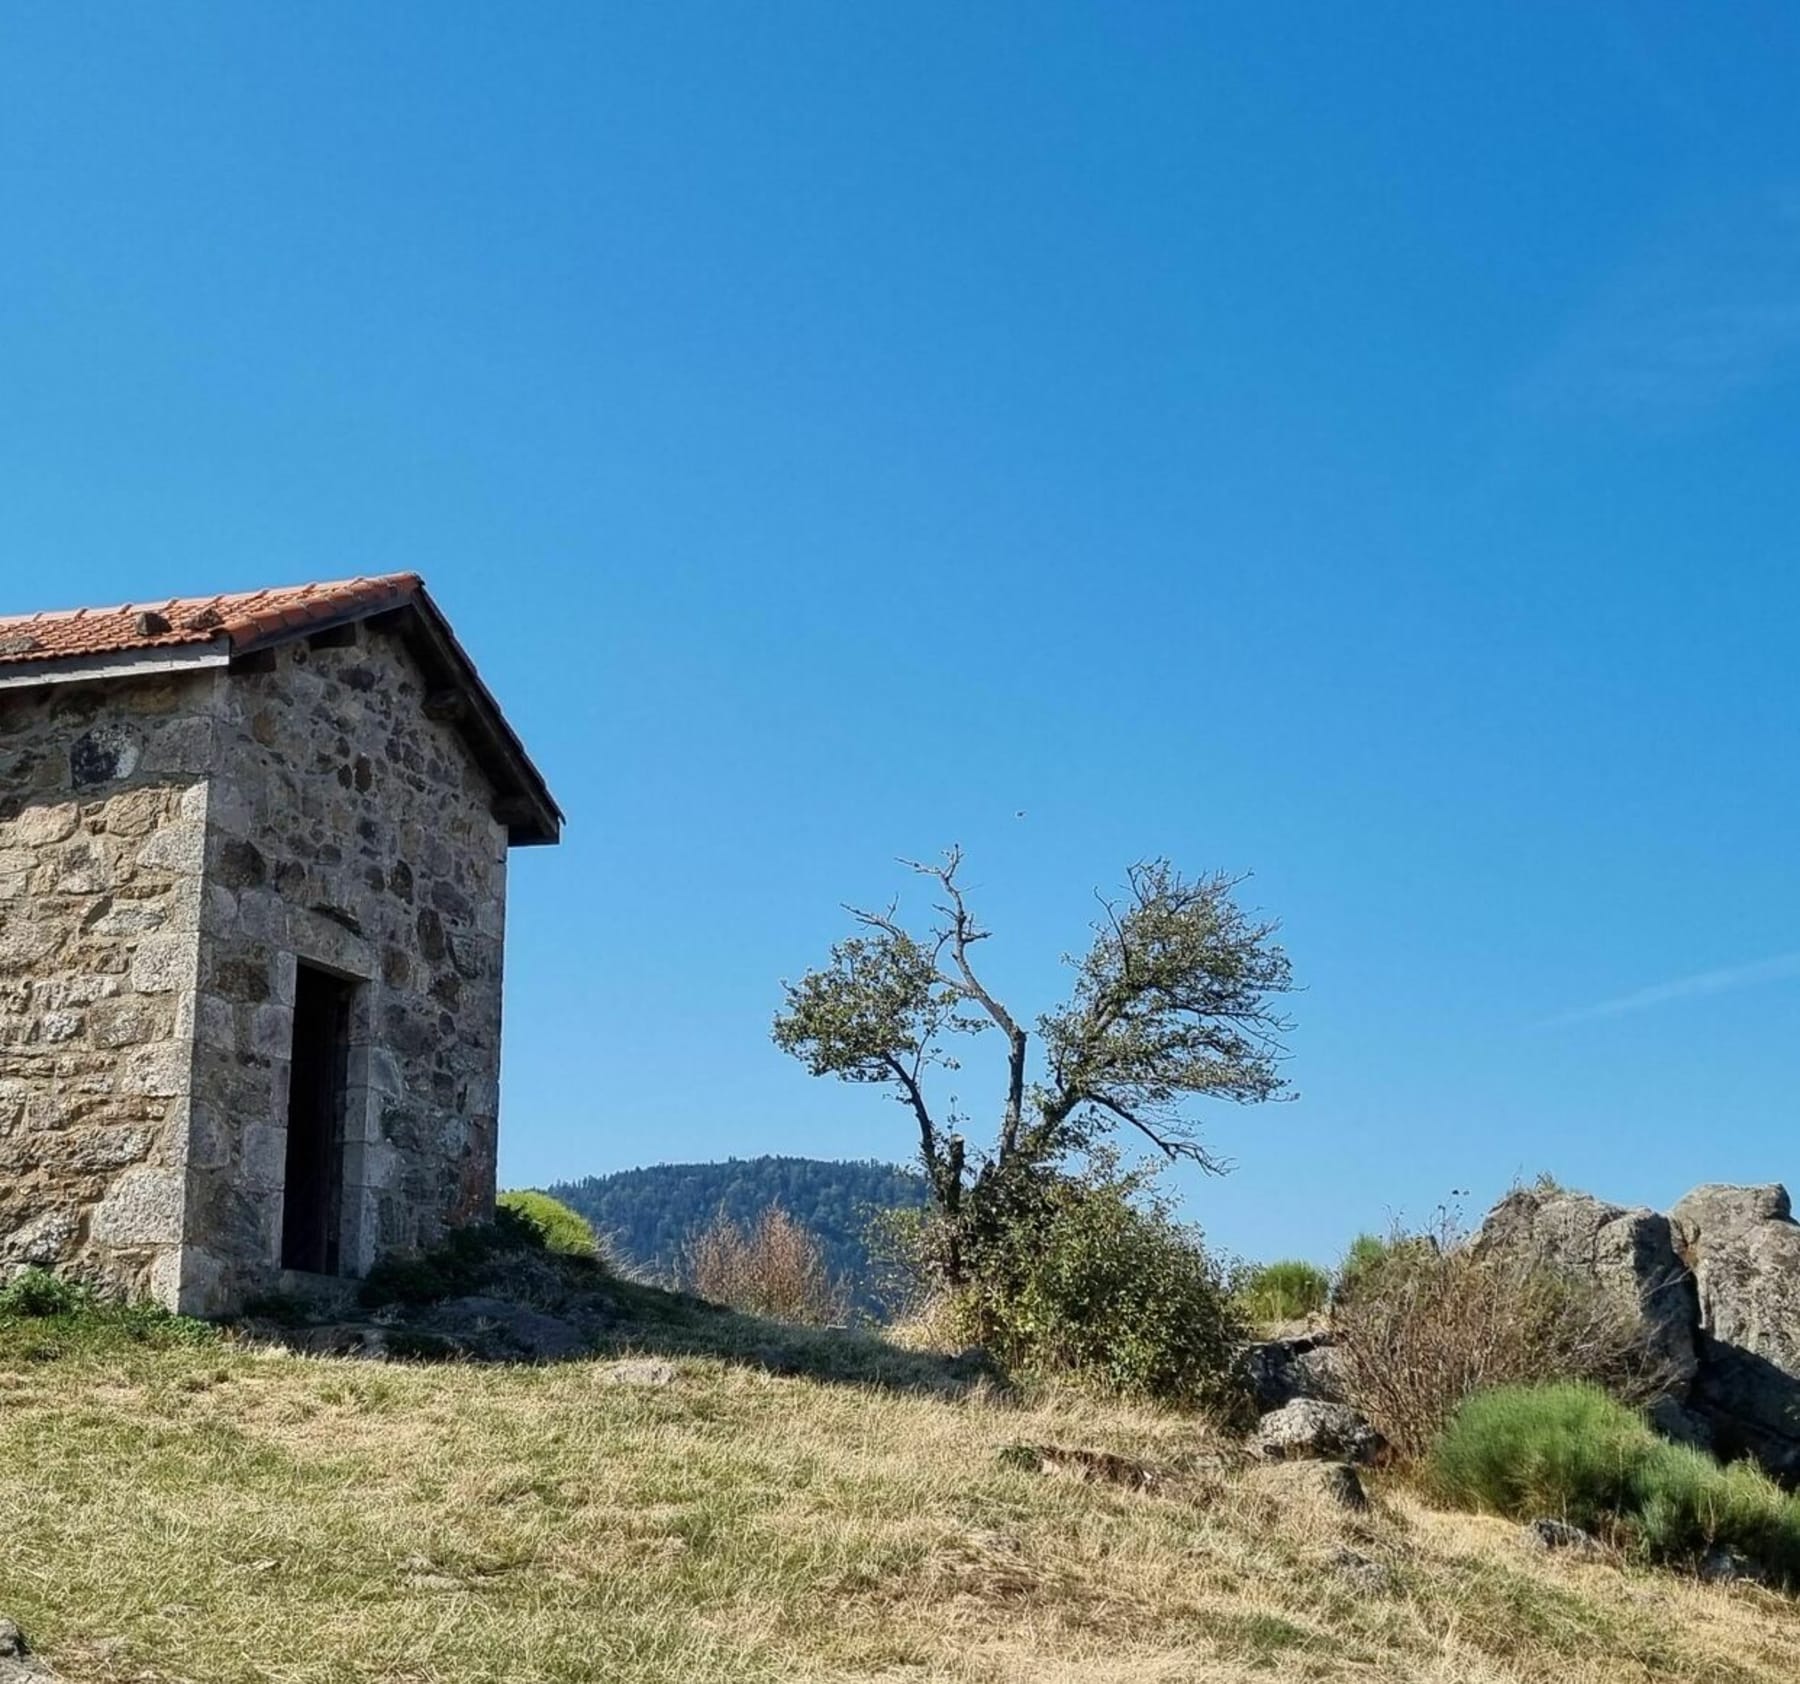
(772, 1267)
(1433, 1323)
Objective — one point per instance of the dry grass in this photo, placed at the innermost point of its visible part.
(1434, 1322)
(770, 1267)
(217, 1515)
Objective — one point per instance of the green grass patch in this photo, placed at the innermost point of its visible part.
(1571, 1452)
(562, 1230)
(44, 1317)
(1284, 1291)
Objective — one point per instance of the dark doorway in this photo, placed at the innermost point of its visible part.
(311, 1206)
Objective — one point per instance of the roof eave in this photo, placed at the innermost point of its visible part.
(399, 597)
(116, 663)
(524, 803)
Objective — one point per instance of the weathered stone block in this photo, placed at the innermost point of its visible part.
(110, 751)
(38, 826)
(129, 918)
(27, 941)
(161, 1069)
(264, 1156)
(162, 963)
(142, 1208)
(271, 1031)
(60, 1026)
(175, 847)
(125, 1022)
(133, 812)
(43, 1240)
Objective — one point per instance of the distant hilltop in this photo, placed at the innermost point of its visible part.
(649, 1214)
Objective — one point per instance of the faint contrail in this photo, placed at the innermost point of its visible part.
(1778, 969)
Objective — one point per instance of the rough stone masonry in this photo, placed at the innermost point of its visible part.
(253, 857)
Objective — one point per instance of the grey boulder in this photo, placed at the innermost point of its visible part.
(1309, 1429)
(1305, 1365)
(1629, 1254)
(1744, 1248)
(1549, 1533)
(17, 1663)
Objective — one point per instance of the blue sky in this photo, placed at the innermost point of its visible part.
(1354, 445)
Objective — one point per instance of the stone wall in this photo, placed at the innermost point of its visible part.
(349, 831)
(102, 823)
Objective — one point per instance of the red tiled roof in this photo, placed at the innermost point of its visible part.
(241, 620)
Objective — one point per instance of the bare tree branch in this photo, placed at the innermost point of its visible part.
(1174, 1147)
(962, 934)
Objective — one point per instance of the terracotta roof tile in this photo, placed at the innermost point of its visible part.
(250, 620)
(240, 620)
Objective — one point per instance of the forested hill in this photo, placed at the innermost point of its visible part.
(650, 1213)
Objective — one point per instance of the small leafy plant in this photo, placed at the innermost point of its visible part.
(1571, 1452)
(59, 1315)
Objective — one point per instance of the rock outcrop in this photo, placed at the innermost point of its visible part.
(1308, 1430)
(1304, 1365)
(1714, 1287)
(17, 1663)
(1330, 1484)
(1713, 1290)
(1630, 1254)
(1743, 1247)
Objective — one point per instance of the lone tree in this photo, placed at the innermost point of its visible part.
(1175, 1000)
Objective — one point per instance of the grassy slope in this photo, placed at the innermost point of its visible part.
(215, 1514)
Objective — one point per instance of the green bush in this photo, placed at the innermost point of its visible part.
(71, 1314)
(1566, 1450)
(35, 1294)
(1089, 1276)
(1571, 1452)
(1360, 1264)
(1284, 1291)
(562, 1230)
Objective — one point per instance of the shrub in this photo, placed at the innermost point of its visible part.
(1566, 1450)
(47, 1302)
(1572, 1452)
(772, 1267)
(1365, 1255)
(905, 1269)
(561, 1229)
(1284, 1291)
(35, 1294)
(1091, 1277)
(1427, 1324)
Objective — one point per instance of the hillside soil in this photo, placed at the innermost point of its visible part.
(744, 1503)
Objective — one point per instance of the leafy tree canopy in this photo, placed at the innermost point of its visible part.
(1175, 1000)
